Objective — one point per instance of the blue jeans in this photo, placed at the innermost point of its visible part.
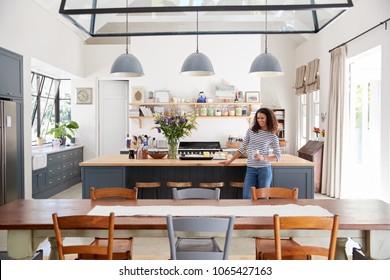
(256, 177)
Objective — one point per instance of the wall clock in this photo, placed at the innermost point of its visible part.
(84, 96)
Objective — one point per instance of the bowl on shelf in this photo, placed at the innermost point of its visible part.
(157, 155)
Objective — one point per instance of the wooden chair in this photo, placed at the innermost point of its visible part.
(196, 193)
(238, 186)
(122, 247)
(202, 247)
(117, 193)
(274, 192)
(84, 222)
(265, 247)
(148, 185)
(330, 224)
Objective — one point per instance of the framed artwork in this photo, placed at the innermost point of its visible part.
(252, 96)
(83, 95)
(138, 94)
(225, 91)
(162, 96)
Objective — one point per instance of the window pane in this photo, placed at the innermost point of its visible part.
(65, 104)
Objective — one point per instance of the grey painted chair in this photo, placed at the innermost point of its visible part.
(199, 248)
(196, 193)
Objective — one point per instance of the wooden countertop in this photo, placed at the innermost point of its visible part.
(123, 160)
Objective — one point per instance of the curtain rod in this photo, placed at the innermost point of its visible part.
(361, 34)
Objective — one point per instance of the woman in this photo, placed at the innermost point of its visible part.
(259, 139)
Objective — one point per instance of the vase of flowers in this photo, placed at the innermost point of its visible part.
(318, 132)
(174, 128)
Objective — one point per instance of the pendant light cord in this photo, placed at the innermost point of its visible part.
(197, 35)
(127, 30)
(266, 25)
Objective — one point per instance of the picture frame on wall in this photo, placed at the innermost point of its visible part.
(252, 96)
(138, 94)
(83, 95)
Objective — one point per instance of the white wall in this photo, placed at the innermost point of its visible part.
(27, 29)
(162, 58)
(365, 15)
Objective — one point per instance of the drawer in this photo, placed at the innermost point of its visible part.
(54, 158)
(54, 180)
(54, 169)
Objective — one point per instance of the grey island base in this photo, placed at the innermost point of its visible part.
(111, 171)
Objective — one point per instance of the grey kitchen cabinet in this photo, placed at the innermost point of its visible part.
(62, 171)
(300, 177)
(11, 69)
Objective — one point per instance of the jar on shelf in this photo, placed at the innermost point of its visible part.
(197, 111)
(210, 110)
(245, 110)
(232, 111)
(218, 111)
(203, 111)
(225, 110)
(238, 110)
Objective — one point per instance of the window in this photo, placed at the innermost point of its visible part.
(309, 116)
(50, 104)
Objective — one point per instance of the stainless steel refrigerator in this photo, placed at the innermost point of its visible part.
(8, 152)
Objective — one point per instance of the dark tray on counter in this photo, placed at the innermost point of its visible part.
(195, 158)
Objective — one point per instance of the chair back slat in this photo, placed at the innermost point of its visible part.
(196, 193)
(117, 193)
(274, 192)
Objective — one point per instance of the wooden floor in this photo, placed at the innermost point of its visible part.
(149, 248)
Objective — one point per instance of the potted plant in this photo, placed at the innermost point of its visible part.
(64, 130)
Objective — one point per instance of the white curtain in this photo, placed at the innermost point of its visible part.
(337, 130)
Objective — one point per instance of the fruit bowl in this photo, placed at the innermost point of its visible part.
(157, 155)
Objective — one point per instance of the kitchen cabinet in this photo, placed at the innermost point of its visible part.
(11, 69)
(138, 112)
(62, 171)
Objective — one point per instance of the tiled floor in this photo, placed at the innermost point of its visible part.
(150, 247)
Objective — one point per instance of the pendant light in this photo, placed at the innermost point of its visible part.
(197, 64)
(127, 65)
(266, 64)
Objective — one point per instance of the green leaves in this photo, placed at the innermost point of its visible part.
(175, 127)
(65, 129)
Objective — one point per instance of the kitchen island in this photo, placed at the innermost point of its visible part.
(119, 171)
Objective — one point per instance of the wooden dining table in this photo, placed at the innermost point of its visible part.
(29, 221)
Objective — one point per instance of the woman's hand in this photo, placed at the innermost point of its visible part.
(225, 162)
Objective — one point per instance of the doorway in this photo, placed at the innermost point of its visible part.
(365, 122)
(112, 116)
